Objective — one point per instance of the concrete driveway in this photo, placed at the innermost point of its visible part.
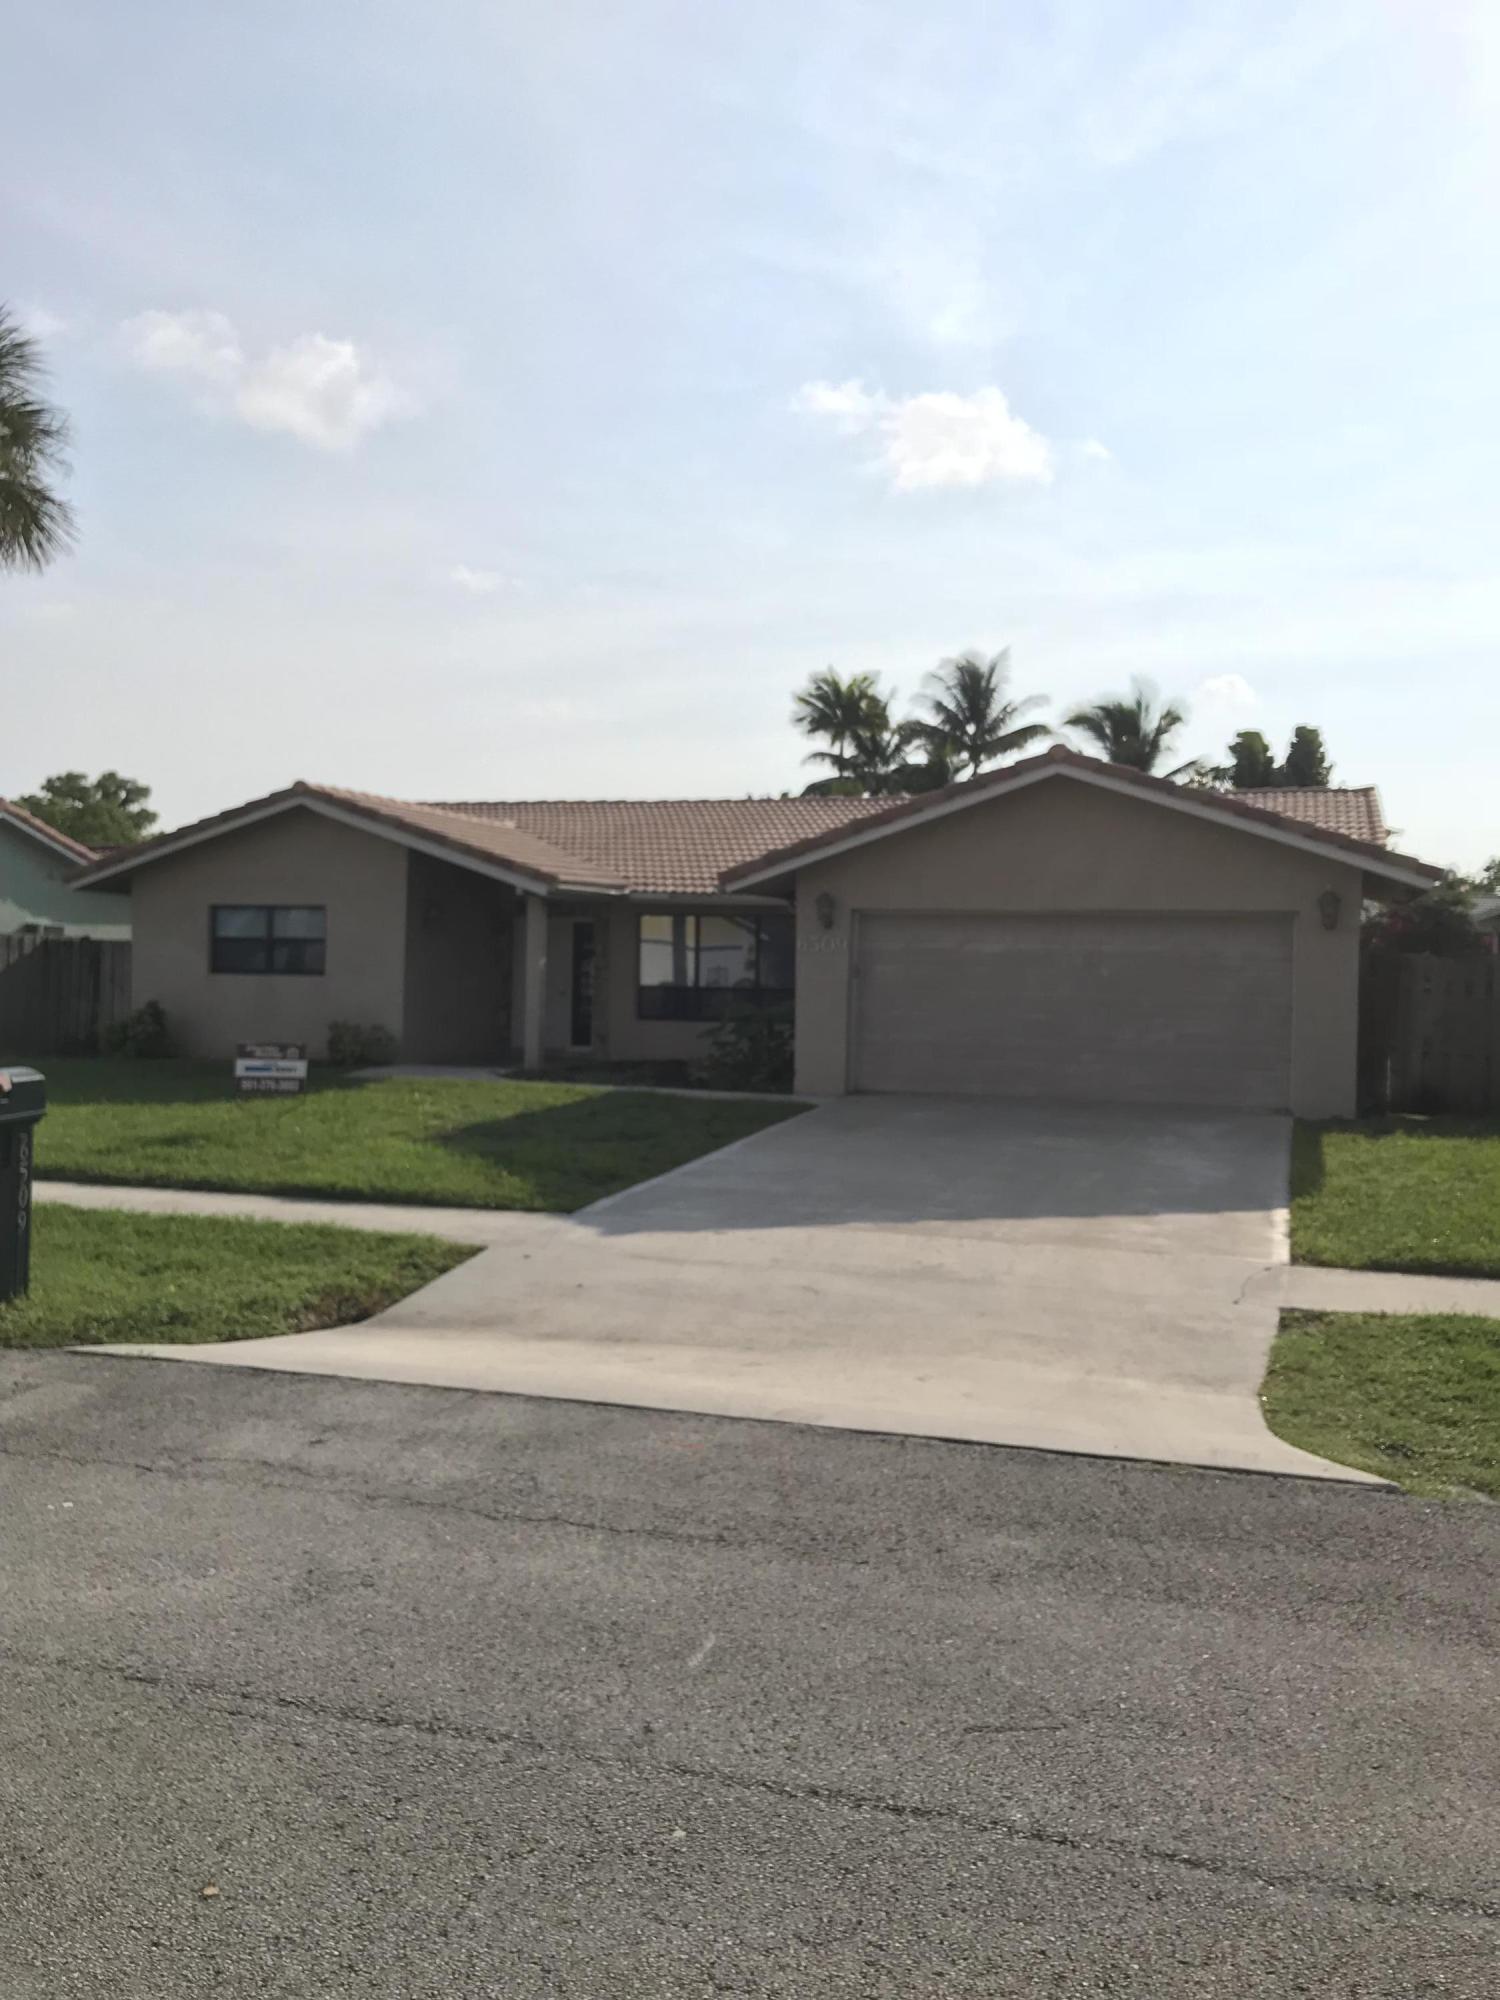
(1073, 1278)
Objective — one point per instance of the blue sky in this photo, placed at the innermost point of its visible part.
(487, 400)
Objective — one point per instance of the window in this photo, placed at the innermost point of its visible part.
(267, 937)
(696, 968)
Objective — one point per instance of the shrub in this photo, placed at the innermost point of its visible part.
(357, 1045)
(750, 1049)
(143, 1033)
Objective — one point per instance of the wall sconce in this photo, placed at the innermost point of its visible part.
(1330, 903)
(827, 910)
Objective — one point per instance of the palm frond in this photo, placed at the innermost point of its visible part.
(36, 524)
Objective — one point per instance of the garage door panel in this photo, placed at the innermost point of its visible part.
(1127, 1009)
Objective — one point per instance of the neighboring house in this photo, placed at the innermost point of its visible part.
(1485, 910)
(36, 863)
(1351, 809)
(1056, 928)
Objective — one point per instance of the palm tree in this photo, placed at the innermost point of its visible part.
(1133, 732)
(35, 525)
(836, 710)
(880, 746)
(969, 717)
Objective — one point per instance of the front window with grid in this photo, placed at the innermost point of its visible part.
(268, 937)
(696, 968)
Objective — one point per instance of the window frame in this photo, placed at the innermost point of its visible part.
(698, 1004)
(267, 940)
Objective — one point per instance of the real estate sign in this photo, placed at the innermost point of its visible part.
(270, 1069)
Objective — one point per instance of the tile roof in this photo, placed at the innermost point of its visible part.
(683, 847)
(29, 823)
(1060, 758)
(496, 836)
(662, 847)
(674, 847)
(1351, 809)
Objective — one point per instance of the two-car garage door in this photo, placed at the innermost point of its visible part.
(1111, 1009)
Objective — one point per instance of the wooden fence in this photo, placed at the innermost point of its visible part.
(1431, 1033)
(58, 995)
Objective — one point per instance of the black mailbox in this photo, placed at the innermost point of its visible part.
(23, 1100)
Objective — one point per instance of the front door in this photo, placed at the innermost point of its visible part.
(581, 1016)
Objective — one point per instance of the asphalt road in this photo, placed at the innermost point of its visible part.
(467, 1696)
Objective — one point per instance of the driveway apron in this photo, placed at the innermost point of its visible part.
(1070, 1278)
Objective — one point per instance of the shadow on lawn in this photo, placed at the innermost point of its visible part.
(571, 1154)
(1308, 1140)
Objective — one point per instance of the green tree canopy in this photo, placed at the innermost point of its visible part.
(35, 524)
(1306, 761)
(107, 811)
(970, 719)
(833, 710)
(1133, 730)
(1251, 762)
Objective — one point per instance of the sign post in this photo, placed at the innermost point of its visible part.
(270, 1069)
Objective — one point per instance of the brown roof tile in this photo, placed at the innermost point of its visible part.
(676, 847)
(29, 823)
(1059, 756)
(492, 836)
(1351, 809)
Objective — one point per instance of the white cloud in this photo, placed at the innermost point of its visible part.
(325, 392)
(320, 390)
(201, 345)
(938, 438)
(478, 582)
(1231, 691)
(851, 405)
(1092, 448)
(41, 323)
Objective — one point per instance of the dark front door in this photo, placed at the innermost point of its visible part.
(582, 1015)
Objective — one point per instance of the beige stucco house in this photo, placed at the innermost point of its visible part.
(1057, 928)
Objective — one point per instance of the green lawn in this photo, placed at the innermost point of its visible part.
(1413, 1397)
(101, 1275)
(545, 1146)
(1399, 1194)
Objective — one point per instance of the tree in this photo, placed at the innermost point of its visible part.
(834, 710)
(878, 749)
(1134, 732)
(1438, 921)
(107, 811)
(35, 525)
(1251, 763)
(1306, 761)
(1487, 881)
(969, 719)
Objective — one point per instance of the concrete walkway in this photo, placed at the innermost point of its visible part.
(1075, 1279)
(1308, 1287)
(483, 1226)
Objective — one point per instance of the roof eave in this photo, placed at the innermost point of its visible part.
(1377, 862)
(47, 836)
(387, 826)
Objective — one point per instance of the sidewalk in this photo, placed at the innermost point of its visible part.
(484, 1226)
(1302, 1287)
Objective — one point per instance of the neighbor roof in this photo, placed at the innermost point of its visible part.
(28, 822)
(1351, 809)
(1058, 761)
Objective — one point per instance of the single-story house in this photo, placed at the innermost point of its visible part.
(37, 864)
(1059, 927)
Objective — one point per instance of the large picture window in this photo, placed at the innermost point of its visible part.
(695, 968)
(268, 937)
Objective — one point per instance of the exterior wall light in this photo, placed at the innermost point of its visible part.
(827, 910)
(1330, 903)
